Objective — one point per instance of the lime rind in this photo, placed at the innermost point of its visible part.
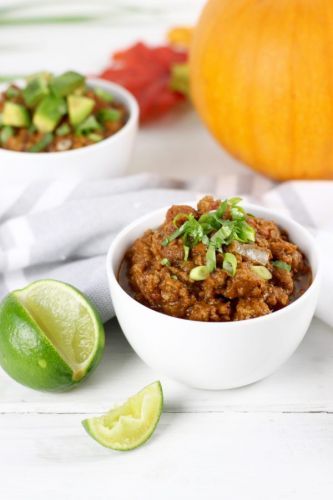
(128, 426)
(69, 322)
(27, 353)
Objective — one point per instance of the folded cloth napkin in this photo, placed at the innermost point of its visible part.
(62, 230)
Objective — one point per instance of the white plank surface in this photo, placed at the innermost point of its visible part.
(269, 441)
(222, 456)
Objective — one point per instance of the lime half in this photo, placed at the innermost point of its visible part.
(51, 336)
(130, 425)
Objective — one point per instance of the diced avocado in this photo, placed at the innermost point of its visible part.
(90, 124)
(79, 108)
(80, 90)
(48, 113)
(42, 75)
(6, 133)
(108, 115)
(95, 137)
(103, 95)
(67, 83)
(40, 145)
(15, 115)
(63, 130)
(35, 91)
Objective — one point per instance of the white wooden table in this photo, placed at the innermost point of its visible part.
(269, 441)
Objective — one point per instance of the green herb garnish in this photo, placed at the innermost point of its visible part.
(186, 252)
(42, 144)
(262, 272)
(165, 262)
(230, 263)
(281, 265)
(211, 258)
(214, 231)
(199, 273)
(177, 217)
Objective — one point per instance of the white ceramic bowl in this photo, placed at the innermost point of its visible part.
(108, 158)
(213, 355)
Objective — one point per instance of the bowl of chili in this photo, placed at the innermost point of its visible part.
(262, 267)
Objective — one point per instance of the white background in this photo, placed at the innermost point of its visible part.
(272, 440)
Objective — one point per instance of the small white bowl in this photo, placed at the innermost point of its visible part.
(213, 355)
(108, 158)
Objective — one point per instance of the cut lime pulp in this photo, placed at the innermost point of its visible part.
(128, 426)
(51, 336)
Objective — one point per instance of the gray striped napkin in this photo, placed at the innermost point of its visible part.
(62, 230)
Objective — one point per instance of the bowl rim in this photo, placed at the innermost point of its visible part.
(263, 211)
(120, 92)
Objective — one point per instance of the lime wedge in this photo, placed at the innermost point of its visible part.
(51, 336)
(130, 425)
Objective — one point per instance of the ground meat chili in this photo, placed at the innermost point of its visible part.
(57, 113)
(215, 263)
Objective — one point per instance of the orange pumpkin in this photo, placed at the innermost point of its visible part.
(262, 80)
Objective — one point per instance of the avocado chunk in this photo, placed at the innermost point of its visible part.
(79, 108)
(103, 95)
(43, 75)
(48, 113)
(15, 115)
(35, 91)
(108, 115)
(67, 83)
(88, 125)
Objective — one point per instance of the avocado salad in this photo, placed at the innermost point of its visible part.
(57, 113)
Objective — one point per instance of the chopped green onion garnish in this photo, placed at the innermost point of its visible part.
(211, 258)
(63, 130)
(177, 217)
(281, 265)
(244, 232)
(199, 273)
(108, 115)
(221, 237)
(222, 209)
(174, 235)
(42, 144)
(234, 201)
(214, 232)
(230, 263)
(165, 262)
(104, 95)
(6, 133)
(262, 272)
